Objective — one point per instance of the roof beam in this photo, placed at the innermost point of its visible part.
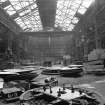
(8, 22)
(16, 15)
(47, 34)
(47, 11)
(5, 4)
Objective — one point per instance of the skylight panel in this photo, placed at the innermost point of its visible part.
(87, 3)
(33, 6)
(65, 3)
(14, 2)
(66, 11)
(24, 12)
(24, 27)
(20, 23)
(33, 22)
(78, 1)
(71, 27)
(67, 21)
(17, 6)
(75, 20)
(56, 25)
(71, 12)
(1, 1)
(10, 10)
(21, 3)
(74, 3)
(6, 8)
(74, 8)
(82, 10)
(70, 16)
(18, 20)
(31, 1)
(27, 11)
(59, 12)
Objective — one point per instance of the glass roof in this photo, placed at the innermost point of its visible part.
(25, 13)
(67, 10)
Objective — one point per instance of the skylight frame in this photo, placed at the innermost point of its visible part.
(25, 10)
(65, 13)
(73, 7)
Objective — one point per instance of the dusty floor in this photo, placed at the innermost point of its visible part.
(73, 80)
(89, 81)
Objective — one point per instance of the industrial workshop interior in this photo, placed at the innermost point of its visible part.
(52, 52)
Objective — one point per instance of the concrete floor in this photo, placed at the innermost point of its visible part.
(96, 83)
(91, 82)
(77, 80)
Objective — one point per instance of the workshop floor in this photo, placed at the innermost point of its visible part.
(90, 81)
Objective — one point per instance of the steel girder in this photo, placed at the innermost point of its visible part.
(8, 22)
